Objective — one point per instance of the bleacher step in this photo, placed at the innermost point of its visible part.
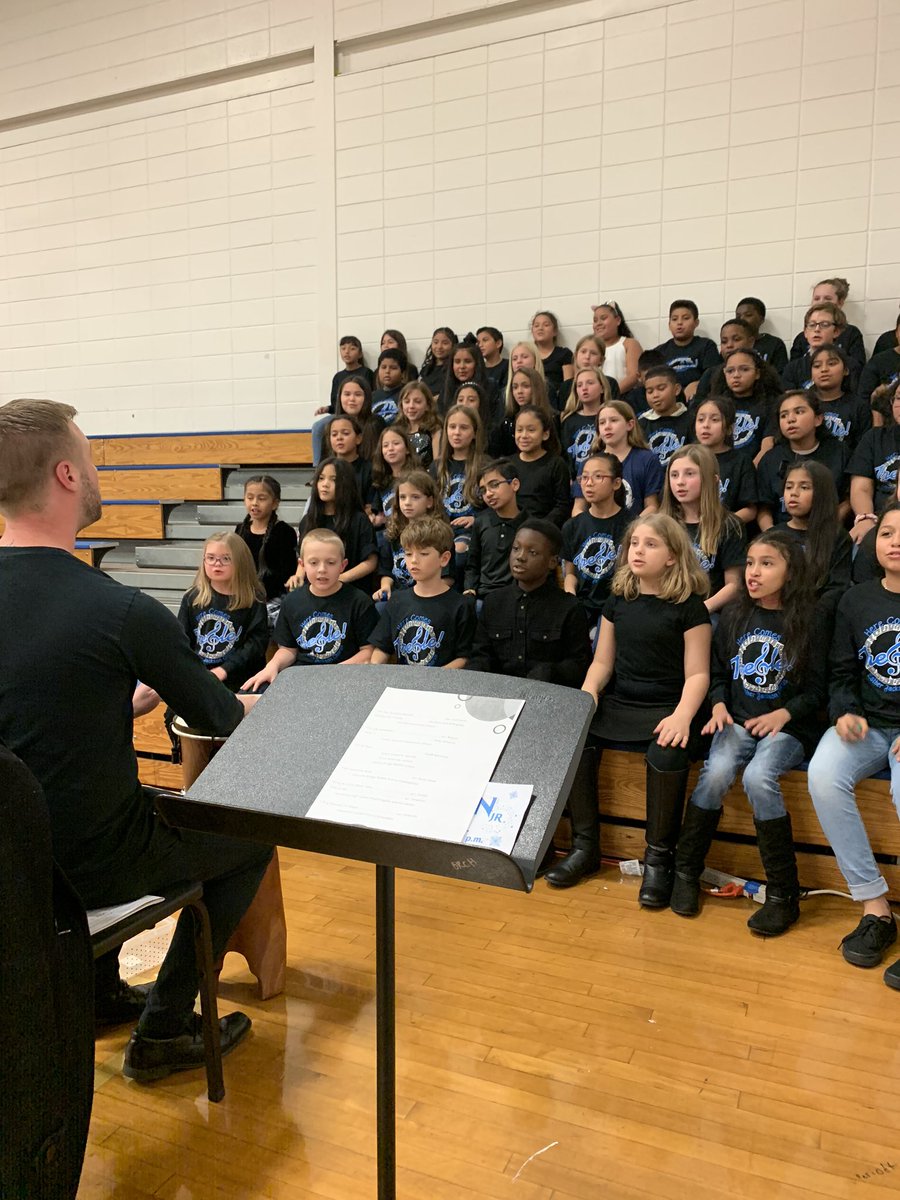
(153, 580)
(226, 516)
(294, 482)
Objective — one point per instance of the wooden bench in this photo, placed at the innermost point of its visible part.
(129, 519)
(621, 796)
(245, 449)
(197, 482)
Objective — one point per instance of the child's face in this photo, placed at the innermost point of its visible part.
(496, 491)
(460, 432)
(684, 480)
(323, 566)
(413, 503)
(612, 427)
(389, 374)
(597, 481)
(349, 354)
(682, 324)
(521, 357)
(344, 439)
(887, 543)
(662, 393)
(425, 563)
(218, 565)
(588, 389)
(352, 397)
(521, 388)
(326, 485)
(441, 346)
(648, 555)
(741, 374)
(798, 494)
(488, 345)
(820, 329)
(733, 337)
(388, 342)
(828, 372)
(797, 420)
(542, 330)
(710, 426)
(606, 324)
(750, 314)
(765, 572)
(468, 398)
(463, 366)
(825, 293)
(531, 559)
(259, 501)
(393, 449)
(588, 355)
(413, 406)
(530, 434)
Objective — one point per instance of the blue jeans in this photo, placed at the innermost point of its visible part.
(834, 772)
(764, 761)
(318, 437)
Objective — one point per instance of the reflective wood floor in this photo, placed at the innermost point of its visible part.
(634, 1054)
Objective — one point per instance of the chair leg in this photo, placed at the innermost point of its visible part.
(261, 934)
(209, 1010)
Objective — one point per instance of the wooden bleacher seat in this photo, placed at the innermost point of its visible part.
(129, 519)
(169, 481)
(244, 448)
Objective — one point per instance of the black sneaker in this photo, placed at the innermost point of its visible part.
(147, 1058)
(125, 1005)
(866, 945)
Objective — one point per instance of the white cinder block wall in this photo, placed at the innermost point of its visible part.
(198, 196)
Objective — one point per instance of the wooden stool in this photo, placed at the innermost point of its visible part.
(261, 934)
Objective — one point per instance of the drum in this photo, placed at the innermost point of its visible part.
(261, 934)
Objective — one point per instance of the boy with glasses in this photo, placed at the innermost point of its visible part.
(487, 567)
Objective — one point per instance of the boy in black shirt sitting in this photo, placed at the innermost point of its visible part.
(427, 625)
(666, 423)
(531, 628)
(324, 621)
(487, 567)
(393, 366)
(688, 355)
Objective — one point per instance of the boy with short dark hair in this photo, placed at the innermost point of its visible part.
(687, 354)
(771, 349)
(666, 423)
(393, 366)
(429, 624)
(496, 368)
(324, 621)
(734, 335)
(637, 396)
(530, 628)
(487, 567)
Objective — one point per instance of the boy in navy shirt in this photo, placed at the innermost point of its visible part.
(393, 366)
(688, 355)
(666, 424)
(427, 625)
(324, 621)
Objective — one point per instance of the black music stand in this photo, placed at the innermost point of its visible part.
(261, 784)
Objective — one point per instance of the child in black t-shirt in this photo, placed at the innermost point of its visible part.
(591, 541)
(392, 460)
(666, 424)
(487, 565)
(802, 435)
(811, 505)
(496, 368)
(343, 439)
(418, 419)
(714, 428)
(355, 400)
(272, 543)
(755, 390)
(847, 416)
(323, 622)
(429, 624)
(688, 355)
(544, 485)
(555, 359)
(393, 366)
(415, 495)
(335, 504)
(354, 361)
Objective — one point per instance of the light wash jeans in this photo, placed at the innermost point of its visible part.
(764, 761)
(834, 772)
(318, 437)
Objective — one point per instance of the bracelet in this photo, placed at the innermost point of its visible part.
(865, 517)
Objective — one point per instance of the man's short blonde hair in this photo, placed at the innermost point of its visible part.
(34, 436)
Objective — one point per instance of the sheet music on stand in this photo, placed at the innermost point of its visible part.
(419, 764)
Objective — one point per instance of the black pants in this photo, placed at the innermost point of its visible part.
(230, 872)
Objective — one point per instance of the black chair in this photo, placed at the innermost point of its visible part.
(106, 937)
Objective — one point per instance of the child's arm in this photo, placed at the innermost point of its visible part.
(361, 570)
(570, 583)
(363, 655)
(765, 446)
(675, 729)
(746, 514)
(284, 656)
(601, 669)
(379, 658)
(633, 352)
(651, 505)
(728, 591)
(455, 664)
(862, 501)
(387, 586)
(297, 579)
(764, 518)
(144, 700)
(251, 648)
(464, 626)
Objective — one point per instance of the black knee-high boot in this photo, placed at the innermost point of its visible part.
(584, 857)
(697, 833)
(665, 804)
(782, 905)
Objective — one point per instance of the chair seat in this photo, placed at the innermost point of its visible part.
(109, 936)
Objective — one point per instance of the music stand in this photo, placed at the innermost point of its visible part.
(261, 784)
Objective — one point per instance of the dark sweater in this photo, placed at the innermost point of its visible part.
(544, 488)
(533, 635)
(487, 567)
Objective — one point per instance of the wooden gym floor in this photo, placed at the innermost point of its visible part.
(636, 1054)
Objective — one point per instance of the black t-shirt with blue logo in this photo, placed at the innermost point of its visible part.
(730, 552)
(865, 656)
(577, 436)
(666, 435)
(385, 404)
(426, 631)
(847, 419)
(591, 545)
(877, 457)
(737, 479)
(235, 641)
(325, 629)
(751, 676)
(690, 361)
(775, 464)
